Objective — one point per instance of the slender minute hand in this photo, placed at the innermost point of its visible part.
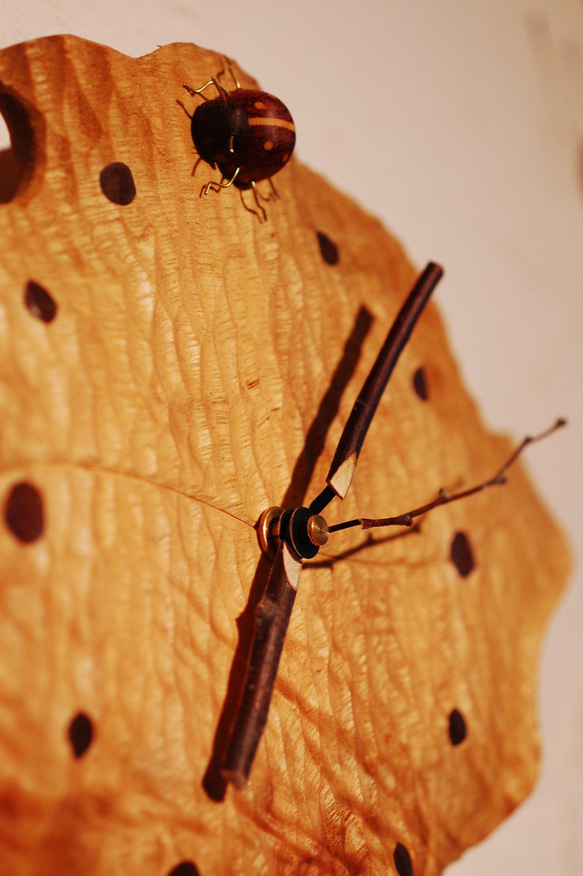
(346, 456)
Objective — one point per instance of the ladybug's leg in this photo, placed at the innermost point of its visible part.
(179, 102)
(261, 215)
(212, 81)
(258, 194)
(215, 186)
(196, 163)
(273, 189)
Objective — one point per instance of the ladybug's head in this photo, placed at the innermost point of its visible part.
(219, 131)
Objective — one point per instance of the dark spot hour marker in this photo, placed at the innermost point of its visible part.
(39, 302)
(328, 249)
(461, 554)
(117, 183)
(23, 512)
(402, 860)
(80, 734)
(457, 727)
(420, 384)
(185, 868)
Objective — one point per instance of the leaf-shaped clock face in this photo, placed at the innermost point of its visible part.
(170, 368)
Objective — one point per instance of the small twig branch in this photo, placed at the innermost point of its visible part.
(445, 497)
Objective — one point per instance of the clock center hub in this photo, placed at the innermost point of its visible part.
(303, 531)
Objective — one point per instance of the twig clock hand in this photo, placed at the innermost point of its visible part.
(352, 438)
(299, 533)
(445, 497)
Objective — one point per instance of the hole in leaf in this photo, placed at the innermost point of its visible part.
(328, 249)
(80, 734)
(17, 146)
(461, 554)
(117, 183)
(23, 512)
(39, 302)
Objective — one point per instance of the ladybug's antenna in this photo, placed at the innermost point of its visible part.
(445, 497)
(229, 64)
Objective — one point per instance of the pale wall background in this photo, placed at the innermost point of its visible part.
(463, 129)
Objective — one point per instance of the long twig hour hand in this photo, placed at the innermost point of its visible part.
(293, 535)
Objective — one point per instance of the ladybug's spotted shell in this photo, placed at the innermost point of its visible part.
(245, 129)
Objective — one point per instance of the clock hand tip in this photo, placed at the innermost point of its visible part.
(435, 269)
(340, 478)
(236, 778)
(292, 567)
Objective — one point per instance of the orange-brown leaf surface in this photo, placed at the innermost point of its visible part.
(171, 367)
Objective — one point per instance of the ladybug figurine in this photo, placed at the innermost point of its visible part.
(248, 135)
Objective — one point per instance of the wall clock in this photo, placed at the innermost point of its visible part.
(171, 368)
